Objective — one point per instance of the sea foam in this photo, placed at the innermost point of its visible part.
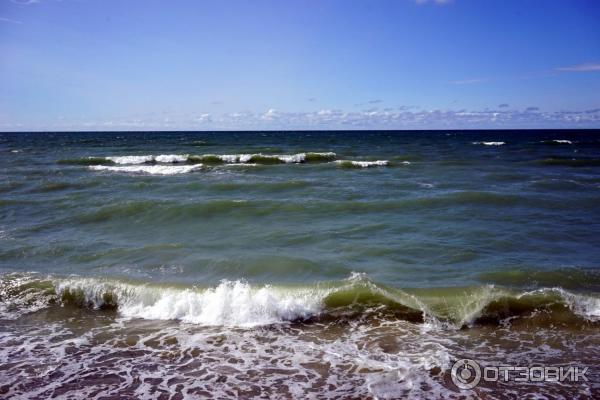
(363, 164)
(490, 143)
(224, 158)
(149, 169)
(131, 159)
(231, 303)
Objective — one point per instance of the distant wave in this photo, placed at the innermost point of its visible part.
(557, 141)
(260, 158)
(149, 169)
(237, 303)
(131, 159)
(171, 158)
(570, 162)
(490, 143)
(87, 161)
(224, 158)
(362, 164)
(163, 163)
(155, 211)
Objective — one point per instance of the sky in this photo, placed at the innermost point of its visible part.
(68, 65)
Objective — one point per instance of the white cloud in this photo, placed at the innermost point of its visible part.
(202, 118)
(270, 115)
(25, 2)
(467, 81)
(585, 67)
(10, 21)
(441, 2)
(328, 119)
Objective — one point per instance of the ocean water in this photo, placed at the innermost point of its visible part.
(296, 264)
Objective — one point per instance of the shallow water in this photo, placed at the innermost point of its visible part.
(294, 264)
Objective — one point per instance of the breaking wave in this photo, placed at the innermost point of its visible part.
(131, 159)
(237, 303)
(87, 161)
(490, 143)
(362, 164)
(257, 158)
(163, 163)
(557, 142)
(570, 162)
(149, 169)
(263, 158)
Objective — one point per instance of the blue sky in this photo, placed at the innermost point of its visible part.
(306, 64)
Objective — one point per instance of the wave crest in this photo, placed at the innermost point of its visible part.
(149, 169)
(231, 303)
(362, 164)
(237, 303)
(491, 143)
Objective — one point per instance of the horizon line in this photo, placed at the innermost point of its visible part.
(302, 130)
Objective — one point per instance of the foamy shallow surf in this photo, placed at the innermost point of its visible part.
(352, 338)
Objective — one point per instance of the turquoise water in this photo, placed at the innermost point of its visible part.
(260, 230)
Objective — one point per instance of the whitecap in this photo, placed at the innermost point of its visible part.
(490, 143)
(171, 158)
(149, 169)
(131, 159)
(231, 303)
(363, 164)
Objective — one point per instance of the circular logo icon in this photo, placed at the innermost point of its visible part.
(466, 374)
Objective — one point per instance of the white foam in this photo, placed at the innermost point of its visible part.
(131, 159)
(300, 157)
(563, 141)
(364, 164)
(587, 307)
(25, 301)
(354, 358)
(326, 154)
(294, 158)
(244, 158)
(490, 143)
(149, 169)
(226, 158)
(231, 303)
(285, 158)
(171, 158)
(233, 158)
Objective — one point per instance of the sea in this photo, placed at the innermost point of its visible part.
(276, 265)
